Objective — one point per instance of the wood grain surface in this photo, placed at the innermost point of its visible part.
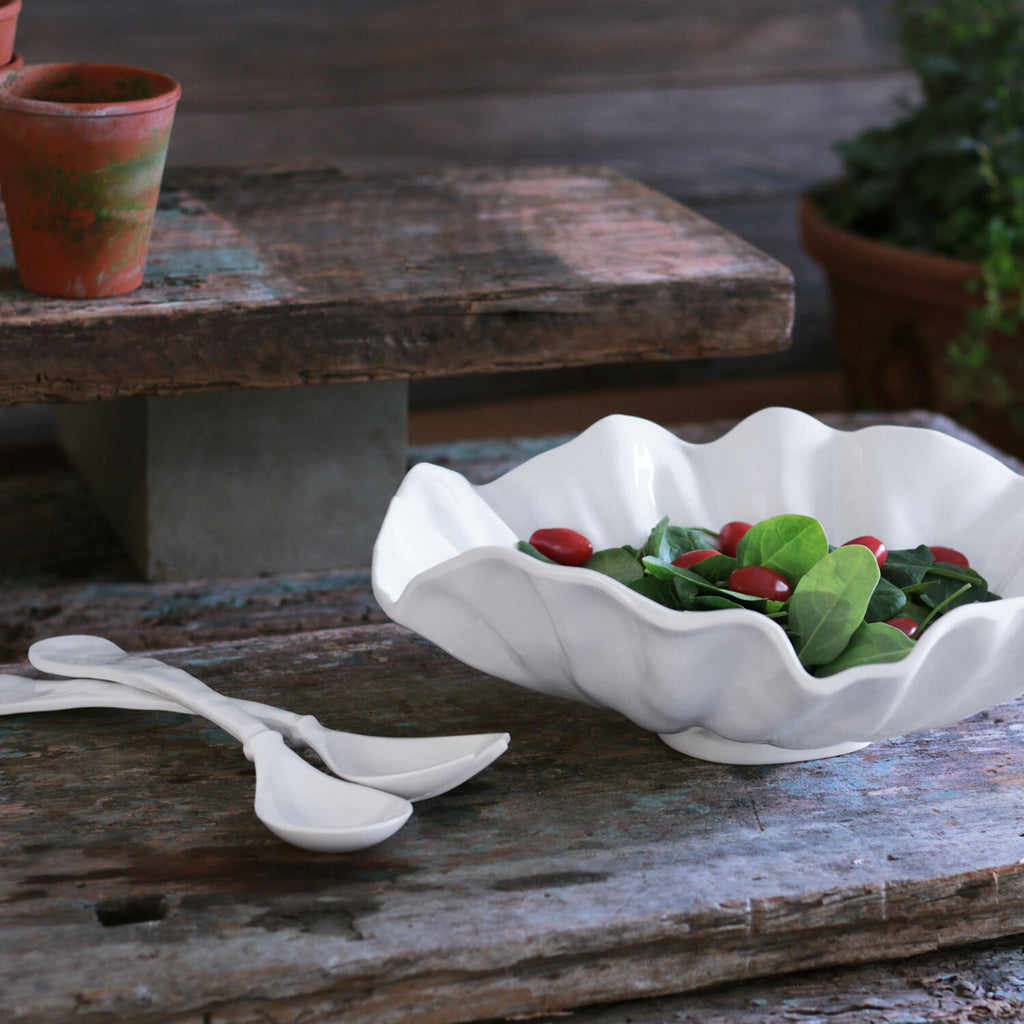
(589, 864)
(290, 276)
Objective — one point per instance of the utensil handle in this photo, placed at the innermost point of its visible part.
(281, 719)
(102, 659)
(169, 681)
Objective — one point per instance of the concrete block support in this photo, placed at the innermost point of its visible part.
(237, 483)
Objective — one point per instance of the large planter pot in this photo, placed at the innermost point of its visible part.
(82, 151)
(9, 11)
(898, 317)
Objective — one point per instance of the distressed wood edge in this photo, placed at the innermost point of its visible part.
(857, 926)
(366, 343)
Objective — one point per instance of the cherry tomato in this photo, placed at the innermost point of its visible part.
(874, 545)
(904, 624)
(562, 545)
(730, 535)
(688, 558)
(950, 555)
(760, 581)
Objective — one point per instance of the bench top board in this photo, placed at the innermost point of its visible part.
(281, 276)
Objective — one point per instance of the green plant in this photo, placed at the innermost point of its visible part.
(948, 176)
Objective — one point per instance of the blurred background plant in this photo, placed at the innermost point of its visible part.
(947, 178)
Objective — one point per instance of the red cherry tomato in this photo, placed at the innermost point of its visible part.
(730, 535)
(950, 555)
(904, 624)
(688, 558)
(562, 545)
(874, 545)
(760, 581)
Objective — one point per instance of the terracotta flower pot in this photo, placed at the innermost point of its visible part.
(897, 317)
(82, 151)
(8, 28)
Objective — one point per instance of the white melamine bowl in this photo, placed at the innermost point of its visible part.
(723, 685)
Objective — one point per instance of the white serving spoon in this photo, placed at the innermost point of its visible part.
(298, 803)
(415, 767)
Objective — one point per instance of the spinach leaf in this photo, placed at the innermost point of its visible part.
(829, 602)
(619, 563)
(679, 576)
(943, 581)
(709, 602)
(668, 542)
(906, 566)
(789, 544)
(887, 600)
(655, 539)
(529, 549)
(871, 643)
(657, 590)
(717, 568)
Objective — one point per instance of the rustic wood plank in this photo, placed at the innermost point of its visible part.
(330, 52)
(770, 224)
(590, 864)
(384, 277)
(970, 984)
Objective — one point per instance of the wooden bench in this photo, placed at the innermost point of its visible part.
(590, 869)
(245, 410)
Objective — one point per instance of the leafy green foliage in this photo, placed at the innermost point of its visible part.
(789, 544)
(836, 615)
(872, 643)
(829, 603)
(948, 177)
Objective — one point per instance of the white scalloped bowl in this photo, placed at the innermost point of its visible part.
(721, 685)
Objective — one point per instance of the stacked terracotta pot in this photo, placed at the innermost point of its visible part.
(82, 150)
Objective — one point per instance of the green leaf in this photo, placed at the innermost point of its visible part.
(829, 602)
(872, 643)
(906, 566)
(717, 569)
(529, 549)
(668, 542)
(710, 602)
(887, 600)
(674, 573)
(789, 544)
(653, 544)
(944, 580)
(619, 563)
(660, 591)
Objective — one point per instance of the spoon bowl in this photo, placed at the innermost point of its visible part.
(298, 803)
(292, 796)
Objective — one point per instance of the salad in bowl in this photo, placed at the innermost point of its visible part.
(630, 569)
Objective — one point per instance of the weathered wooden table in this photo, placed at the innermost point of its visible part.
(590, 869)
(245, 410)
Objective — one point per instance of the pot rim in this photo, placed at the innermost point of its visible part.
(9, 8)
(883, 266)
(29, 74)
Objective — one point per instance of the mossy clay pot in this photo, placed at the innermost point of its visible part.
(82, 152)
(8, 29)
(10, 67)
